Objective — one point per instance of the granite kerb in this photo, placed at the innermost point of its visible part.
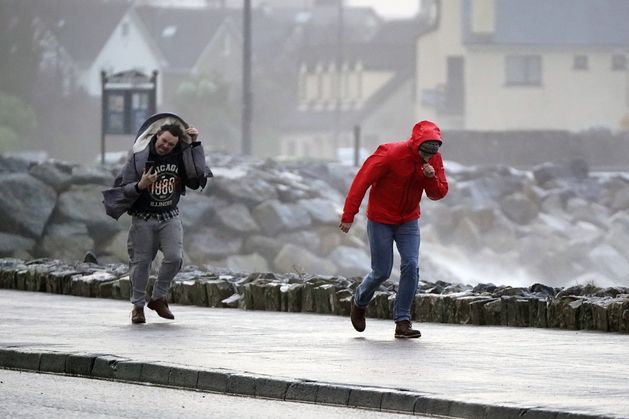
(113, 368)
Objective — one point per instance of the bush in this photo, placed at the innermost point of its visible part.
(17, 122)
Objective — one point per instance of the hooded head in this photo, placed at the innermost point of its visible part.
(426, 136)
(152, 126)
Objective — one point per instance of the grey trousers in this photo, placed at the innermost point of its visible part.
(146, 237)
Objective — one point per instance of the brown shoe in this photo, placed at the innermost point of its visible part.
(161, 307)
(404, 330)
(137, 315)
(357, 315)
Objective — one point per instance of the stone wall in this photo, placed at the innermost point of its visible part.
(582, 307)
(557, 224)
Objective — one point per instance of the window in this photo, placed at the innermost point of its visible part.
(580, 62)
(619, 62)
(523, 70)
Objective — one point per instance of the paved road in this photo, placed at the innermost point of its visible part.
(31, 395)
(556, 370)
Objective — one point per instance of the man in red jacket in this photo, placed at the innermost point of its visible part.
(398, 174)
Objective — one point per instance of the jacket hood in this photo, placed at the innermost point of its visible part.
(424, 131)
(150, 127)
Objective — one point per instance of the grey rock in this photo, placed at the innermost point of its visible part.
(83, 203)
(304, 238)
(321, 211)
(92, 175)
(275, 217)
(211, 243)
(237, 218)
(198, 210)
(266, 246)
(519, 209)
(350, 261)
(25, 204)
(68, 241)
(11, 245)
(55, 174)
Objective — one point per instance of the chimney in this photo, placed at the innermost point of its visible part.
(483, 17)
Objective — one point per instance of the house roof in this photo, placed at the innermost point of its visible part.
(74, 25)
(182, 33)
(392, 47)
(555, 22)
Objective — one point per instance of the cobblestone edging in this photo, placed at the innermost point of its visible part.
(109, 367)
(576, 308)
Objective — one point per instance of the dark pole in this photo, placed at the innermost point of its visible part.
(356, 145)
(339, 64)
(246, 79)
(103, 81)
(153, 97)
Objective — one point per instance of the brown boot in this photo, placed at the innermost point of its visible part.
(357, 315)
(161, 307)
(404, 330)
(137, 315)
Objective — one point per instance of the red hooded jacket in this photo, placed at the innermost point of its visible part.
(395, 173)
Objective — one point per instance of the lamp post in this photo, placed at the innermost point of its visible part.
(339, 76)
(247, 95)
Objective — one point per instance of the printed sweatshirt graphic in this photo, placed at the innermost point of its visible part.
(164, 194)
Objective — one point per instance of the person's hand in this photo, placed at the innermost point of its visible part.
(193, 133)
(429, 171)
(345, 226)
(148, 178)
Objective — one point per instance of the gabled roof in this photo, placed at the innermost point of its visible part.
(555, 22)
(81, 27)
(182, 33)
(392, 47)
(319, 25)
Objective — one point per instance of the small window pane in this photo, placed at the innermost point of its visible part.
(580, 62)
(619, 62)
(523, 70)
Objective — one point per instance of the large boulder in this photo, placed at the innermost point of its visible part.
(350, 261)
(26, 204)
(15, 246)
(237, 218)
(210, 244)
(55, 174)
(83, 204)
(68, 241)
(275, 217)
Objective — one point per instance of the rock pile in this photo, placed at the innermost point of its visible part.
(557, 224)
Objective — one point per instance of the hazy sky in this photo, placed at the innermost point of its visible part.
(389, 8)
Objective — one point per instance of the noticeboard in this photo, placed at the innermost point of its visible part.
(128, 100)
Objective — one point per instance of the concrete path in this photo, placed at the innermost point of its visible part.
(459, 371)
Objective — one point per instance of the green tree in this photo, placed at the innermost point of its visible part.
(205, 101)
(20, 49)
(17, 122)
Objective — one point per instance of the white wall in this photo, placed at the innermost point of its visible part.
(125, 50)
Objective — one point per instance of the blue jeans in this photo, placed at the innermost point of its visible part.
(381, 238)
